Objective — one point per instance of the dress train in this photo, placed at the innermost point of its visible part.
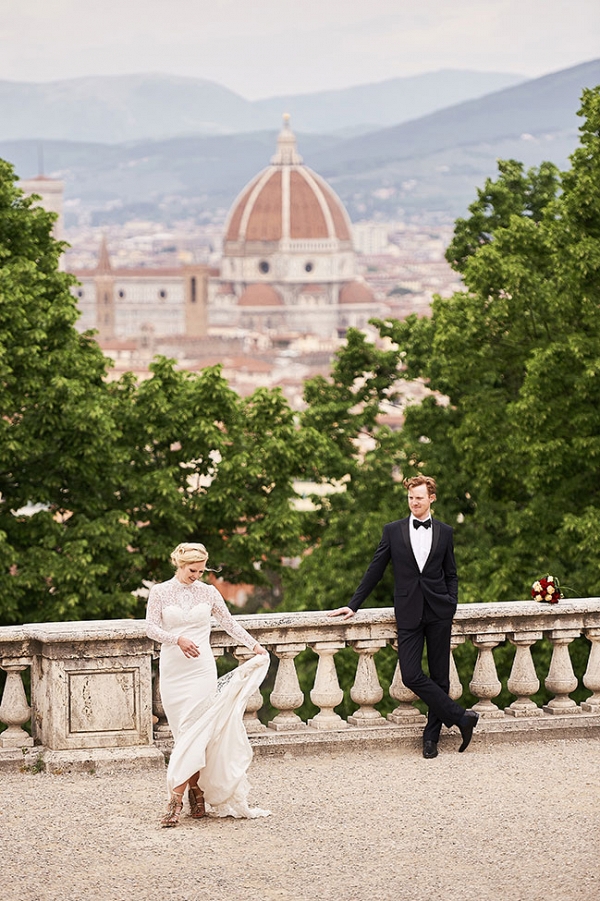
(213, 740)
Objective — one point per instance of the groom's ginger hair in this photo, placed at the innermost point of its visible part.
(414, 481)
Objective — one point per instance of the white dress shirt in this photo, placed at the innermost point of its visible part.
(420, 540)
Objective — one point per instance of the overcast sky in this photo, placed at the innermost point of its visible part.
(263, 48)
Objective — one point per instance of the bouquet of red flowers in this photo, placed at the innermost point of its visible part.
(547, 590)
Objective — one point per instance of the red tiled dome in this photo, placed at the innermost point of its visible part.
(313, 289)
(287, 200)
(260, 296)
(355, 292)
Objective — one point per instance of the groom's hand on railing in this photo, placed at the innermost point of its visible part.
(345, 612)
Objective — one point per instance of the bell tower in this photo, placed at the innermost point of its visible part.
(105, 294)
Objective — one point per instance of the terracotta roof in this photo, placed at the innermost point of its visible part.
(356, 292)
(260, 296)
(117, 343)
(306, 215)
(313, 289)
(239, 363)
(314, 211)
(265, 219)
(137, 273)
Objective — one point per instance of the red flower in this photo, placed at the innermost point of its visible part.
(546, 589)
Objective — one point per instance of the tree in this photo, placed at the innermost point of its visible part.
(99, 480)
(514, 431)
(339, 530)
(511, 429)
(209, 466)
(56, 426)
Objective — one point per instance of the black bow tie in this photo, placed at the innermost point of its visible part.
(417, 524)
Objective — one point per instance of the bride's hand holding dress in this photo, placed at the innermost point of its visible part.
(211, 748)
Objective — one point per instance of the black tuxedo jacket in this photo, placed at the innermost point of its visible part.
(437, 584)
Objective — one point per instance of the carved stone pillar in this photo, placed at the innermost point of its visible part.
(14, 709)
(93, 689)
(287, 694)
(591, 679)
(523, 681)
(456, 689)
(485, 683)
(405, 713)
(162, 730)
(255, 701)
(561, 679)
(326, 693)
(366, 690)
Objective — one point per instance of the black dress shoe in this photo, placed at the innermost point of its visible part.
(466, 726)
(430, 750)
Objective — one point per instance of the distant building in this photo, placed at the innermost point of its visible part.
(371, 237)
(52, 192)
(288, 259)
(142, 303)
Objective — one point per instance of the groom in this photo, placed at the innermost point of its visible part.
(425, 596)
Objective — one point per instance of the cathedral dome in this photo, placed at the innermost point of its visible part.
(288, 252)
(356, 292)
(287, 201)
(260, 296)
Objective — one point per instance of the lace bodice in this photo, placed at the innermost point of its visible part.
(185, 597)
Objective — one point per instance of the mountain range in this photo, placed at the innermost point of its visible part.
(431, 164)
(114, 109)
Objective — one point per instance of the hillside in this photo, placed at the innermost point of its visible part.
(432, 164)
(436, 161)
(114, 109)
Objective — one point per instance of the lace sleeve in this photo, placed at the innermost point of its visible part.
(154, 627)
(223, 616)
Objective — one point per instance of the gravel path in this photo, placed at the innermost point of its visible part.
(520, 822)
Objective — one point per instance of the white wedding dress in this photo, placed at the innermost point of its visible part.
(205, 713)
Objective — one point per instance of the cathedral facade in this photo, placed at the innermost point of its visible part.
(288, 259)
(288, 267)
(142, 303)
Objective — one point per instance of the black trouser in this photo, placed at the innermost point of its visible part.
(432, 689)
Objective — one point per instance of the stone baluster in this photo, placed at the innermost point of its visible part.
(255, 701)
(456, 689)
(287, 694)
(161, 729)
(591, 679)
(14, 709)
(405, 713)
(485, 683)
(523, 681)
(366, 690)
(561, 679)
(326, 693)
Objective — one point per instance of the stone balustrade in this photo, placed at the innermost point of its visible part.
(93, 697)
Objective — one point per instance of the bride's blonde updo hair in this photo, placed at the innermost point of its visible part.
(188, 552)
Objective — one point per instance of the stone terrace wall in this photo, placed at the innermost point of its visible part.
(93, 697)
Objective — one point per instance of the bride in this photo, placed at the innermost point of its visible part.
(211, 753)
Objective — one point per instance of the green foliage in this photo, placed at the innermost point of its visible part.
(511, 430)
(513, 434)
(516, 193)
(344, 528)
(100, 480)
(57, 534)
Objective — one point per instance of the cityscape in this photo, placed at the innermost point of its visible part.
(387, 269)
(292, 512)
